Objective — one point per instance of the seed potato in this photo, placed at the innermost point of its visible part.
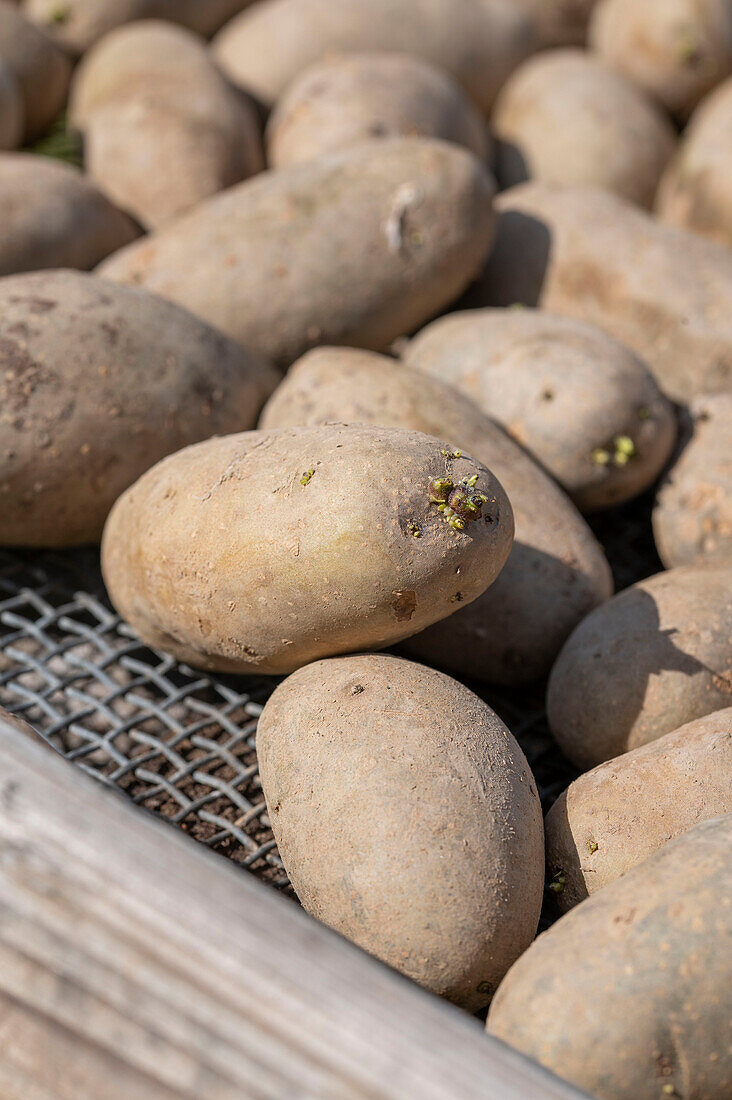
(653, 658)
(41, 70)
(692, 520)
(555, 573)
(407, 818)
(582, 404)
(11, 110)
(628, 996)
(265, 550)
(618, 814)
(587, 254)
(356, 248)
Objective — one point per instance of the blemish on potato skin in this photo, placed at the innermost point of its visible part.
(404, 604)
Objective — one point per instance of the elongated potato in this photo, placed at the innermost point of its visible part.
(51, 216)
(590, 255)
(560, 22)
(676, 50)
(582, 404)
(696, 189)
(11, 109)
(265, 550)
(628, 996)
(618, 814)
(407, 818)
(343, 100)
(97, 383)
(478, 41)
(655, 657)
(40, 68)
(692, 520)
(355, 248)
(564, 117)
(556, 572)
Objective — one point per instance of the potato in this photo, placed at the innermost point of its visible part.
(560, 22)
(556, 572)
(51, 216)
(628, 996)
(696, 189)
(354, 248)
(265, 550)
(653, 658)
(588, 254)
(675, 50)
(479, 43)
(40, 68)
(615, 816)
(407, 818)
(97, 383)
(11, 109)
(583, 405)
(158, 139)
(563, 117)
(343, 100)
(692, 520)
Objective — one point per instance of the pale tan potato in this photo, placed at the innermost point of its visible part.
(618, 814)
(588, 254)
(97, 383)
(692, 520)
(346, 99)
(696, 190)
(564, 117)
(262, 551)
(11, 109)
(407, 818)
(629, 995)
(479, 42)
(556, 572)
(560, 22)
(41, 70)
(355, 248)
(582, 404)
(653, 658)
(52, 216)
(675, 50)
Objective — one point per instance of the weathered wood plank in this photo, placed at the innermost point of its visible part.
(133, 963)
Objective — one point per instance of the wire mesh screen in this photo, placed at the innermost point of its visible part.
(179, 742)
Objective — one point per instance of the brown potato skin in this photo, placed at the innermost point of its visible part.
(556, 572)
(42, 71)
(560, 22)
(564, 390)
(564, 117)
(692, 519)
(588, 254)
(343, 100)
(620, 813)
(11, 110)
(653, 658)
(407, 818)
(675, 50)
(355, 248)
(63, 220)
(262, 551)
(630, 992)
(97, 383)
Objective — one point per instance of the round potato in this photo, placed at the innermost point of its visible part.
(357, 247)
(560, 22)
(696, 189)
(564, 117)
(266, 47)
(588, 254)
(692, 520)
(407, 818)
(655, 657)
(11, 109)
(265, 550)
(675, 50)
(582, 404)
(97, 383)
(341, 101)
(42, 71)
(62, 220)
(628, 996)
(620, 813)
(556, 572)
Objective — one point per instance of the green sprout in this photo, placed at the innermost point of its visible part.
(414, 530)
(558, 883)
(592, 847)
(306, 476)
